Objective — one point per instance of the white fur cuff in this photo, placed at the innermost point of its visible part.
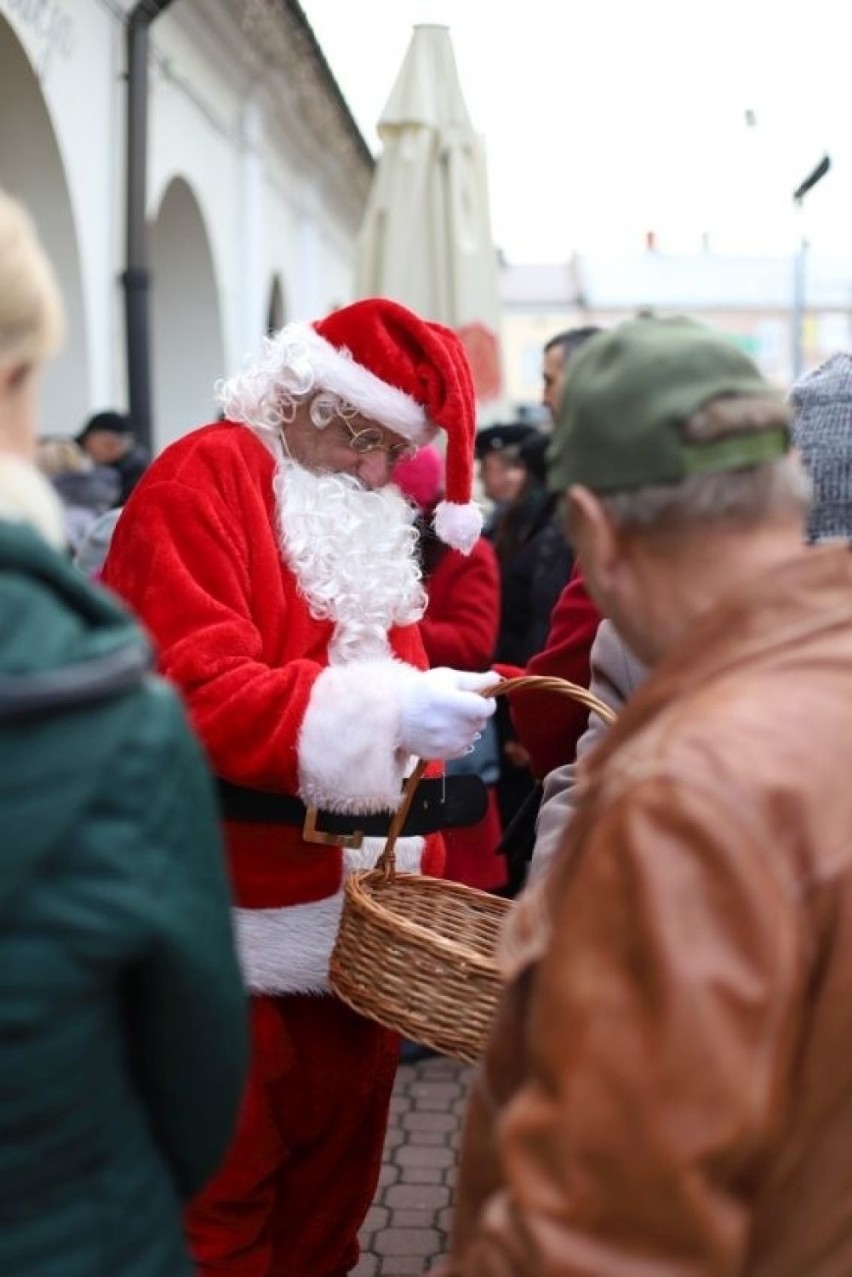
(287, 950)
(348, 755)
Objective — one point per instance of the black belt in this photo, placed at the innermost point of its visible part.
(447, 802)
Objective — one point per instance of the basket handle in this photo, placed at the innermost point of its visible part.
(386, 863)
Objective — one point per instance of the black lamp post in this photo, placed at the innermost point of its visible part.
(136, 278)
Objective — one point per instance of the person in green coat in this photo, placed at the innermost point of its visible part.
(122, 1014)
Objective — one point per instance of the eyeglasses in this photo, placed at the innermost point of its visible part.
(373, 440)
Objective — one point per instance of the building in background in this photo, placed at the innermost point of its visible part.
(750, 298)
(257, 183)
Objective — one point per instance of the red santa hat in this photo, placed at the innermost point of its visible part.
(408, 375)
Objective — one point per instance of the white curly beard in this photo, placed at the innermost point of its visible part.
(353, 553)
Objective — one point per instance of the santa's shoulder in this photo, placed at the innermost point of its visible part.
(219, 450)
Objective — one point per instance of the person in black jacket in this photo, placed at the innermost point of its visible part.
(109, 440)
(535, 562)
(535, 558)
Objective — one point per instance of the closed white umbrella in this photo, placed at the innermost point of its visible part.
(426, 236)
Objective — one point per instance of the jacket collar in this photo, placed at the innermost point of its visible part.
(778, 608)
(26, 497)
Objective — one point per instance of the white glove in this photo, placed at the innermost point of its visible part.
(441, 712)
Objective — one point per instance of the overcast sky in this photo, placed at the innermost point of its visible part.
(604, 120)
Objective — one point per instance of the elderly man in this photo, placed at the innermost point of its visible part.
(277, 569)
(668, 1088)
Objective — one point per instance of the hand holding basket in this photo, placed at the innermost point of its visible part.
(417, 954)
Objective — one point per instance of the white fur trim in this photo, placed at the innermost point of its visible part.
(26, 496)
(288, 950)
(337, 371)
(458, 525)
(408, 854)
(348, 756)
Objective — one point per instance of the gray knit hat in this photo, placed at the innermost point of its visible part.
(822, 431)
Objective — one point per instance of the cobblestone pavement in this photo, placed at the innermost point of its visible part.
(406, 1229)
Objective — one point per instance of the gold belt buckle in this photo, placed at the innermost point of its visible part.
(310, 833)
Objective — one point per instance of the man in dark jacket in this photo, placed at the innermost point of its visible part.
(122, 1017)
(549, 725)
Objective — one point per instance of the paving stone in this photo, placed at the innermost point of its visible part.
(433, 1138)
(419, 1218)
(417, 1121)
(389, 1174)
(436, 1091)
(436, 1106)
(421, 1175)
(403, 1265)
(422, 1155)
(407, 1241)
(417, 1196)
(377, 1217)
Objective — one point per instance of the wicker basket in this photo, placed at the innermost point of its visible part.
(417, 954)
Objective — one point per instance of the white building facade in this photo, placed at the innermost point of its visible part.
(257, 180)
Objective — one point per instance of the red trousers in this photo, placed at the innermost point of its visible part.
(303, 1167)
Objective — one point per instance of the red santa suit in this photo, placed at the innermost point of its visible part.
(292, 660)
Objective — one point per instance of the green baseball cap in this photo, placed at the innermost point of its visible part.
(629, 392)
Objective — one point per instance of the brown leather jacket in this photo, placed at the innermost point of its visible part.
(668, 1089)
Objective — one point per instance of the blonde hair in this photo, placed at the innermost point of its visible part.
(61, 456)
(31, 321)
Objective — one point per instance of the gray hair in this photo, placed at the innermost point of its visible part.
(268, 392)
(773, 490)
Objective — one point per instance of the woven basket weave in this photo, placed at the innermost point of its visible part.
(417, 954)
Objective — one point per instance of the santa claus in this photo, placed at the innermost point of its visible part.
(277, 572)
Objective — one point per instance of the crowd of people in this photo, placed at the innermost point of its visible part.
(296, 602)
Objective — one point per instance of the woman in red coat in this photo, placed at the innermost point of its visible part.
(459, 629)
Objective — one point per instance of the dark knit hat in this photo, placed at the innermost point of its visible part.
(822, 431)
